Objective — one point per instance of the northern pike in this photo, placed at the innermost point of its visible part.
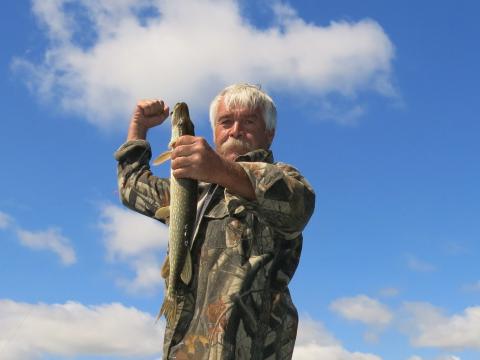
(183, 207)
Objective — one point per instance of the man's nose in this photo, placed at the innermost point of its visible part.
(236, 130)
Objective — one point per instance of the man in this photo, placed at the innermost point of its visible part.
(248, 238)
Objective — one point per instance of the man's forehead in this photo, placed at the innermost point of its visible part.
(242, 110)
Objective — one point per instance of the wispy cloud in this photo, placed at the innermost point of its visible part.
(31, 331)
(364, 309)
(428, 326)
(419, 265)
(448, 357)
(473, 287)
(50, 239)
(5, 220)
(389, 292)
(315, 342)
(176, 52)
(137, 241)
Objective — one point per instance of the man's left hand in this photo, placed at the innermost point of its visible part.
(192, 157)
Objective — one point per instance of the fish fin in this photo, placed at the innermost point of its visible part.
(165, 268)
(160, 159)
(186, 274)
(162, 213)
(169, 309)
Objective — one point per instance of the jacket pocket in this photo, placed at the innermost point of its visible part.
(223, 231)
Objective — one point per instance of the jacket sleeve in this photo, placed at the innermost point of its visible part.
(284, 198)
(138, 188)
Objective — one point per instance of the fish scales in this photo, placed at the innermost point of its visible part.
(183, 206)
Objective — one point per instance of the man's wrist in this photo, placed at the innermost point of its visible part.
(136, 131)
(235, 179)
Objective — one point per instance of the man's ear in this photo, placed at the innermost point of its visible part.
(270, 136)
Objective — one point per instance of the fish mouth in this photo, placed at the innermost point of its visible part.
(180, 111)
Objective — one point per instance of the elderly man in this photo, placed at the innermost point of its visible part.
(248, 239)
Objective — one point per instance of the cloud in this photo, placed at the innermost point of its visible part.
(315, 342)
(136, 240)
(364, 309)
(448, 357)
(474, 287)
(30, 331)
(429, 327)
(128, 234)
(5, 220)
(103, 56)
(416, 264)
(389, 292)
(50, 239)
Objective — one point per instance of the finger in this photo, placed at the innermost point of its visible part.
(181, 163)
(182, 150)
(186, 140)
(154, 108)
(181, 173)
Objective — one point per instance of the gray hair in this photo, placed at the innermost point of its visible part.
(249, 96)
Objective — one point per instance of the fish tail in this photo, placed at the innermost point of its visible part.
(169, 309)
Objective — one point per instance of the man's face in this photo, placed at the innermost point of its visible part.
(240, 130)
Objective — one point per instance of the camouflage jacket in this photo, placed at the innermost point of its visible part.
(244, 253)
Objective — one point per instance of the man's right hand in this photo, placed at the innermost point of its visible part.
(147, 114)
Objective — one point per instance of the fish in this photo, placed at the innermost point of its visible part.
(181, 216)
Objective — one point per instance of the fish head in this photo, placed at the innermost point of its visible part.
(181, 119)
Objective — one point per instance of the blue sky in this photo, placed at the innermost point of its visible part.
(377, 106)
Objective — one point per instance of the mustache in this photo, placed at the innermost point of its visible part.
(237, 145)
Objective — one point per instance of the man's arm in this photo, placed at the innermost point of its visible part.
(138, 188)
(147, 114)
(192, 157)
(277, 193)
(284, 198)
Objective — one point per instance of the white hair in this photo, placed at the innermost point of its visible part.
(246, 96)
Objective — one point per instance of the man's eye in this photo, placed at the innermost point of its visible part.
(224, 122)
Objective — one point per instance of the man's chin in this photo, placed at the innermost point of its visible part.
(230, 155)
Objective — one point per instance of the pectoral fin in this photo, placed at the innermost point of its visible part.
(165, 268)
(160, 159)
(163, 213)
(186, 274)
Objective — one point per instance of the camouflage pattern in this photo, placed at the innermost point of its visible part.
(245, 253)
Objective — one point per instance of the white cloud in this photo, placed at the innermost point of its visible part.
(429, 327)
(128, 233)
(448, 357)
(389, 292)
(315, 342)
(5, 220)
(30, 331)
(50, 239)
(416, 264)
(137, 240)
(362, 308)
(474, 287)
(415, 357)
(179, 53)
(147, 275)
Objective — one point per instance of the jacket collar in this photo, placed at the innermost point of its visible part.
(259, 155)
